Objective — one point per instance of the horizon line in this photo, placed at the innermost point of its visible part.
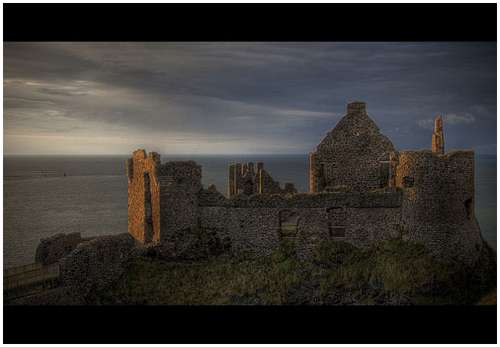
(167, 154)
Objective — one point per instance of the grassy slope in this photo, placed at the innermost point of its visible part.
(392, 272)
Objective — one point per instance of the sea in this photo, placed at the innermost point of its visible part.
(46, 195)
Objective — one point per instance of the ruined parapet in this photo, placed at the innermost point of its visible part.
(249, 179)
(162, 198)
(143, 196)
(354, 154)
(438, 203)
(438, 136)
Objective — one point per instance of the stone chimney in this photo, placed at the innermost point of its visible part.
(438, 136)
(356, 107)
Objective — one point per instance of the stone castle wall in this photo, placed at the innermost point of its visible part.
(143, 196)
(360, 191)
(258, 223)
(162, 198)
(259, 230)
(180, 184)
(438, 202)
(354, 155)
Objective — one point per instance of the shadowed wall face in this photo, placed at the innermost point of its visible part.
(352, 156)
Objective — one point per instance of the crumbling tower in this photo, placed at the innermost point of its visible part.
(437, 136)
(162, 198)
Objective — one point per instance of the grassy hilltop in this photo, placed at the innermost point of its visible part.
(391, 272)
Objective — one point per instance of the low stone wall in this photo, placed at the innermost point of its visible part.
(50, 250)
(260, 230)
(96, 264)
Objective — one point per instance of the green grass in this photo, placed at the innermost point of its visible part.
(391, 272)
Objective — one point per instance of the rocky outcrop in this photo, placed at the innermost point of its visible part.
(52, 249)
(94, 265)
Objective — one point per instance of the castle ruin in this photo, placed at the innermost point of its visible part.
(361, 190)
(242, 178)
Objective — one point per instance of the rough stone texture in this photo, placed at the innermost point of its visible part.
(180, 184)
(143, 196)
(361, 191)
(353, 154)
(387, 197)
(249, 230)
(174, 186)
(259, 230)
(196, 244)
(438, 136)
(50, 250)
(438, 203)
(243, 178)
(95, 264)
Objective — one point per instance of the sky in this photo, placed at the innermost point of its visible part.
(241, 98)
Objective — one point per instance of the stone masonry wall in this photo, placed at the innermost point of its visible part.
(162, 198)
(438, 202)
(258, 230)
(352, 155)
(387, 197)
(180, 185)
(143, 196)
(360, 190)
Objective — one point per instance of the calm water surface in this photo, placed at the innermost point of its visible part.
(45, 195)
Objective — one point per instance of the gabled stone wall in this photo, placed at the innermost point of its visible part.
(353, 155)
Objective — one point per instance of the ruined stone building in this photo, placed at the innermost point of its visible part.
(242, 178)
(361, 190)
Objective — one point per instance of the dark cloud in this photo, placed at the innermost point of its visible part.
(241, 97)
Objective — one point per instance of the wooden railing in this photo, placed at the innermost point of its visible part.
(28, 279)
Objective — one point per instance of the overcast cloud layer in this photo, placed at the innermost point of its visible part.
(217, 98)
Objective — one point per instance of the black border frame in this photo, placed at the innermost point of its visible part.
(250, 22)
